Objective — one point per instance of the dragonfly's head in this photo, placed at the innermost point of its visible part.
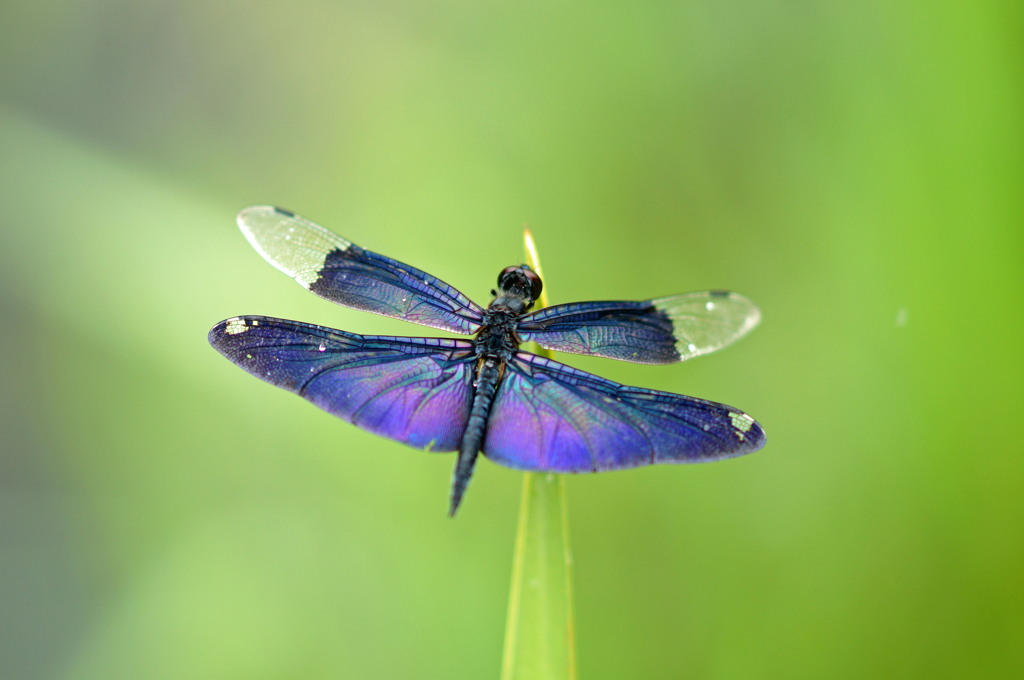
(518, 287)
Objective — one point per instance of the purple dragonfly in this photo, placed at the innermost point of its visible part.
(486, 395)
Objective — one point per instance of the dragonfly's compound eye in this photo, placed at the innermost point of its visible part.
(503, 276)
(521, 277)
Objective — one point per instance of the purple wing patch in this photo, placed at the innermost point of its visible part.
(417, 391)
(552, 418)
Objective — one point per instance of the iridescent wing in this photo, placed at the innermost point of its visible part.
(660, 331)
(549, 417)
(342, 272)
(414, 390)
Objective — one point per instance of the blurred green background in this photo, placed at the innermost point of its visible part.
(854, 168)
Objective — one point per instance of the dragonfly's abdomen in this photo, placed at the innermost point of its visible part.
(472, 440)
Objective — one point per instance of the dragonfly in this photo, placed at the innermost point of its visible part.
(486, 394)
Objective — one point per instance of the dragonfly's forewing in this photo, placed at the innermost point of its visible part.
(660, 331)
(342, 272)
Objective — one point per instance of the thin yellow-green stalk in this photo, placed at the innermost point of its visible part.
(540, 636)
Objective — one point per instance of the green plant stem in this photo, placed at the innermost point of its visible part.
(540, 636)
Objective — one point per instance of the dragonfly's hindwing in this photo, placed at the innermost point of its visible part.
(414, 390)
(552, 418)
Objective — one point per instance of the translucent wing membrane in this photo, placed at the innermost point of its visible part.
(660, 331)
(553, 418)
(707, 321)
(414, 390)
(342, 272)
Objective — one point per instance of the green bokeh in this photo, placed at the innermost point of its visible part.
(854, 168)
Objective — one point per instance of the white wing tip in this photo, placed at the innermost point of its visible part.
(247, 215)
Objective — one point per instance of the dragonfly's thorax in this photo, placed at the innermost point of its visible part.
(497, 337)
(510, 304)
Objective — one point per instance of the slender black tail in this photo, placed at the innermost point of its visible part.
(460, 479)
(472, 440)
